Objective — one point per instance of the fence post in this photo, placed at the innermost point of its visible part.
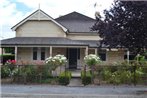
(85, 71)
(25, 78)
(134, 69)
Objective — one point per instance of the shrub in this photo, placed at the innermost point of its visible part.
(44, 71)
(64, 78)
(57, 60)
(92, 59)
(30, 72)
(86, 77)
(120, 74)
(106, 74)
(5, 71)
(138, 75)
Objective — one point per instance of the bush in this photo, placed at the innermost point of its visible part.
(5, 71)
(86, 77)
(30, 72)
(44, 71)
(5, 58)
(121, 74)
(64, 78)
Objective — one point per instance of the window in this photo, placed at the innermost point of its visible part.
(42, 53)
(102, 54)
(34, 53)
(131, 57)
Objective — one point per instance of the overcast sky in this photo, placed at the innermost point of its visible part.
(13, 11)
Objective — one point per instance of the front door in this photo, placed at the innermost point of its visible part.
(72, 58)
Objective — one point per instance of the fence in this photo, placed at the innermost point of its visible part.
(27, 73)
(119, 74)
(135, 75)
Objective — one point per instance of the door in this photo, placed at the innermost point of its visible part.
(72, 58)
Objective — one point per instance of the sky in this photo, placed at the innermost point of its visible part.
(13, 11)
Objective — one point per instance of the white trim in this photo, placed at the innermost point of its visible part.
(86, 51)
(51, 51)
(15, 53)
(128, 54)
(86, 34)
(38, 53)
(106, 56)
(95, 50)
(38, 11)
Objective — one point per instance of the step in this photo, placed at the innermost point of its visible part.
(76, 74)
(75, 82)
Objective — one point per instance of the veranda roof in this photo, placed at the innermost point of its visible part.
(55, 41)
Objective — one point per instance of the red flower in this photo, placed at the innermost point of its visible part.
(11, 61)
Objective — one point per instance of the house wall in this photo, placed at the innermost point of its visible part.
(61, 51)
(24, 55)
(111, 56)
(39, 29)
(83, 37)
(82, 55)
(114, 56)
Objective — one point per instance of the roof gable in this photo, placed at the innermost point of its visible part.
(77, 23)
(75, 16)
(38, 15)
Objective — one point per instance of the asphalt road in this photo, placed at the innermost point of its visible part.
(56, 89)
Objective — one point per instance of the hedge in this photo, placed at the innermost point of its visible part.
(64, 78)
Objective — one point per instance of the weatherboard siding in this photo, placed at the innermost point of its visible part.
(24, 55)
(83, 37)
(39, 29)
(114, 56)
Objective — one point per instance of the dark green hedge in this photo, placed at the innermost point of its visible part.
(64, 78)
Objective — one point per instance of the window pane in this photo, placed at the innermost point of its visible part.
(34, 55)
(42, 55)
(102, 56)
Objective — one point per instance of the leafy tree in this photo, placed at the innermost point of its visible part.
(124, 25)
(9, 50)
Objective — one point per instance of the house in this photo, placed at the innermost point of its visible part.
(39, 36)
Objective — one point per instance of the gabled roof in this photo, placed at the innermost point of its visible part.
(38, 15)
(77, 23)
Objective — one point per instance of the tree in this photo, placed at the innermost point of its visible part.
(9, 50)
(124, 25)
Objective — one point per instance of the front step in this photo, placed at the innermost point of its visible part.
(76, 74)
(75, 79)
(75, 82)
